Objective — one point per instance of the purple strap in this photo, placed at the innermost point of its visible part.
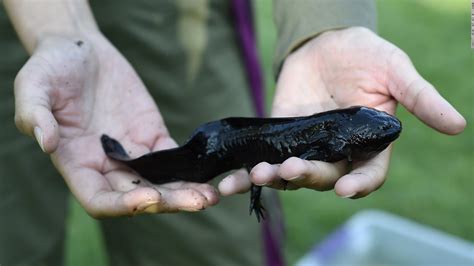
(244, 24)
(272, 227)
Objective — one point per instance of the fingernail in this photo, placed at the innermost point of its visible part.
(349, 195)
(151, 209)
(39, 137)
(148, 207)
(293, 178)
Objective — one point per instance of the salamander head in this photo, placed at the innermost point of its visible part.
(370, 131)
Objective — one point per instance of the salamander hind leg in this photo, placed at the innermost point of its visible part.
(256, 203)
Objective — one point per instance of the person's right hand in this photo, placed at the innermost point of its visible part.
(72, 91)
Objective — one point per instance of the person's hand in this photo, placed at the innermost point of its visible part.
(339, 69)
(67, 95)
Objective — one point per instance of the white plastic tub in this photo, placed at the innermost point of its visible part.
(379, 238)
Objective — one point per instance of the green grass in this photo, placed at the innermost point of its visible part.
(84, 243)
(431, 176)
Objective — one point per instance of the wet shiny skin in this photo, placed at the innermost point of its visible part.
(355, 133)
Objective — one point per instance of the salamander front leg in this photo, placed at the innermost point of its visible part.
(256, 203)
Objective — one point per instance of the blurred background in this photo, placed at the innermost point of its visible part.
(431, 180)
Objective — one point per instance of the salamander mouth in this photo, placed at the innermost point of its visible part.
(387, 138)
(382, 147)
(392, 134)
(395, 129)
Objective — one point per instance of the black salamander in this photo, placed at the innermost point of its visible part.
(355, 133)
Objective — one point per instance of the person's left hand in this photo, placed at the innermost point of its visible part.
(339, 69)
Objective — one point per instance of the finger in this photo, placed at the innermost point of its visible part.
(184, 199)
(209, 192)
(265, 174)
(99, 199)
(312, 174)
(237, 182)
(33, 115)
(365, 177)
(111, 203)
(421, 98)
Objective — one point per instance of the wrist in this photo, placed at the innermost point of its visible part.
(328, 40)
(34, 21)
(84, 50)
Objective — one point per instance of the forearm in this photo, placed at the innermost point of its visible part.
(299, 21)
(34, 20)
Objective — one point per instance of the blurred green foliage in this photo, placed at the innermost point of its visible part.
(431, 176)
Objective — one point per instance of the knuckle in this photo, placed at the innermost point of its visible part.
(159, 197)
(293, 160)
(262, 164)
(199, 199)
(256, 174)
(212, 195)
(128, 206)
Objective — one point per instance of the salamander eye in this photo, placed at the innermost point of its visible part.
(385, 126)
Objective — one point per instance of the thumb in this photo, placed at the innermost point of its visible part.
(421, 98)
(33, 116)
